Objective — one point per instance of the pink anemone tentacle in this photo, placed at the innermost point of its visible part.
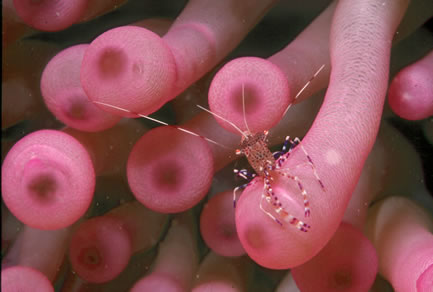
(34, 260)
(338, 142)
(21, 278)
(64, 96)
(401, 231)
(48, 180)
(170, 171)
(254, 93)
(51, 16)
(218, 273)
(218, 227)
(101, 247)
(177, 260)
(42, 250)
(410, 94)
(147, 71)
(249, 92)
(347, 263)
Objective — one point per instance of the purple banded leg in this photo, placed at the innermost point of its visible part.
(310, 162)
(244, 173)
(277, 154)
(236, 189)
(302, 226)
(314, 172)
(285, 152)
(267, 188)
(307, 210)
(273, 200)
(285, 149)
(268, 199)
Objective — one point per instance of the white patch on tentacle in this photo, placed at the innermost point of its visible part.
(332, 157)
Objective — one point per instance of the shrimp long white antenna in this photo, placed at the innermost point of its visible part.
(243, 108)
(225, 120)
(161, 122)
(304, 87)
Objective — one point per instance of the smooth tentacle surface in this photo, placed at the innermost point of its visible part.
(177, 260)
(401, 231)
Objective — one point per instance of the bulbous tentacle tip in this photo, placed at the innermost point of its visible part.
(100, 249)
(20, 278)
(170, 171)
(39, 173)
(129, 67)
(50, 15)
(250, 92)
(158, 282)
(64, 96)
(348, 262)
(218, 227)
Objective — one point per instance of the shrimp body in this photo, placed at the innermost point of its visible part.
(266, 164)
(254, 147)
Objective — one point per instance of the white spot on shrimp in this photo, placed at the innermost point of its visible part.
(333, 157)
